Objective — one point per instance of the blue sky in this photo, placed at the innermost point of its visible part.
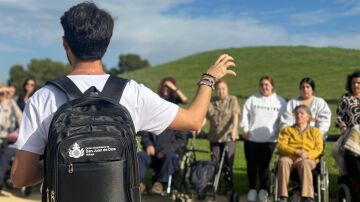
(164, 30)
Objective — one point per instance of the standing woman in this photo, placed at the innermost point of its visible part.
(321, 113)
(10, 117)
(29, 88)
(347, 115)
(260, 122)
(223, 117)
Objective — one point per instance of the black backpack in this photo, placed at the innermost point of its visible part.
(91, 150)
(202, 174)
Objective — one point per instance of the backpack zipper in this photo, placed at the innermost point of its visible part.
(71, 168)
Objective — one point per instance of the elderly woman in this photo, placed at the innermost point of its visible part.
(299, 146)
(223, 117)
(321, 113)
(10, 116)
(347, 115)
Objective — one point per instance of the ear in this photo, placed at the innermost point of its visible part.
(65, 44)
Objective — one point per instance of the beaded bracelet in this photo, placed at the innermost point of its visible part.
(207, 82)
(209, 75)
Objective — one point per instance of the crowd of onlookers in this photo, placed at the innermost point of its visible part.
(297, 128)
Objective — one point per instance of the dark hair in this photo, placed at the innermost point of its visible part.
(24, 84)
(87, 30)
(172, 95)
(350, 77)
(220, 81)
(309, 81)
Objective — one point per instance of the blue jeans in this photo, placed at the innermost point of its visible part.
(5, 158)
(163, 168)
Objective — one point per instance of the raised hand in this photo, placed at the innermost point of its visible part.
(220, 68)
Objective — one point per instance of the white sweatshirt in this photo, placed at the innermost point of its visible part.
(321, 114)
(261, 117)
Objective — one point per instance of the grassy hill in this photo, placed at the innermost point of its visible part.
(287, 65)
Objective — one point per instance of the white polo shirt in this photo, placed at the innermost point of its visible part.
(148, 111)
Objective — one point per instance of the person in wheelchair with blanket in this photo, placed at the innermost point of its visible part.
(162, 153)
(299, 147)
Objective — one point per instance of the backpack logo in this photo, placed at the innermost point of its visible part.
(76, 151)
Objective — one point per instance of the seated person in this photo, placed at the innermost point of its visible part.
(161, 152)
(299, 146)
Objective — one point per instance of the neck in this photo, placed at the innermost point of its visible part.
(302, 126)
(88, 68)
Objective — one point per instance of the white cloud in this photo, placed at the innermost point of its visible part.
(142, 27)
(312, 17)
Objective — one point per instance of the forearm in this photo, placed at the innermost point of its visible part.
(193, 117)
(26, 170)
(182, 96)
(235, 120)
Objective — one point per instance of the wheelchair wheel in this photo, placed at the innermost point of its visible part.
(323, 184)
(273, 187)
(344, 193)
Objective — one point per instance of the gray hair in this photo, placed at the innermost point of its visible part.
(306, 108)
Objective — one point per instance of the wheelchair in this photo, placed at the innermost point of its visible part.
(349, 185)
(181, 187)
(320, 182)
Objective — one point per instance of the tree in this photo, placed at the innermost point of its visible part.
(41, 70)
(46, 69)
(130, 62)
(18, 75)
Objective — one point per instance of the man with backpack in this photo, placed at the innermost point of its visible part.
(87, 33)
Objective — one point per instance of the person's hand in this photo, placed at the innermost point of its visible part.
(305, 155)
(343, 129)
(298, 153)
(170, 85)
(220, 68)
(150, 150)
(234, 135)
(246, 135)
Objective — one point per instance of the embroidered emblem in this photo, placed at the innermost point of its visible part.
(76, 151)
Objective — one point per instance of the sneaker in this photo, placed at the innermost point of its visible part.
(263, 195)
(157, 188)
(142, 187)
(252, 195)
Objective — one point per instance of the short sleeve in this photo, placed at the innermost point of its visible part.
(148, 110)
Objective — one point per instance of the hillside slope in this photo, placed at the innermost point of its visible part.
(286, 64)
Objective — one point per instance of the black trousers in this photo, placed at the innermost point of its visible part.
(258, 157)
(216, 151)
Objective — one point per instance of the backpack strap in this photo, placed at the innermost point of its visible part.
(67, 86)
(114, 88)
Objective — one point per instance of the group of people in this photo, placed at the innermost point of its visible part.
(296, 128)
(11, 107)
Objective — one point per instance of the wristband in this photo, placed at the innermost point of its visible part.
(207, 82)
(209, 75)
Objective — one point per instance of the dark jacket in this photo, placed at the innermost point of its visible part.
(167, 141)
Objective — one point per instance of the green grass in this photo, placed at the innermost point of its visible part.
(287, 65)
